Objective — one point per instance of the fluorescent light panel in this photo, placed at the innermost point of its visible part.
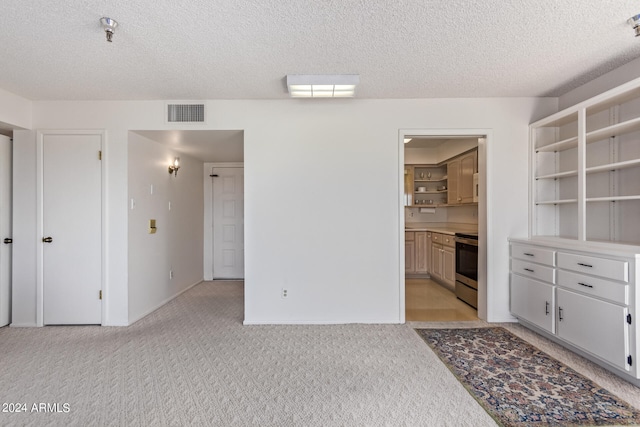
(322, 85)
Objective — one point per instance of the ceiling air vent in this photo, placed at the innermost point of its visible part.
(185, 113)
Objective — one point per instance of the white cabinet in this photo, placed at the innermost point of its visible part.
(582, 297)
(596, 326)
(533, 301)
(585, 169)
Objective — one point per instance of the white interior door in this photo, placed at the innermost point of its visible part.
(71, 213)
(228, 223)
(5, 230)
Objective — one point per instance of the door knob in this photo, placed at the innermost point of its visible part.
(8, 240)
(47, 239)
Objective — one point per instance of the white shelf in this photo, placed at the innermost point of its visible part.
(558, 175)
(613, 130)
(565, 144)
(614, 166)
(431, 192)
(557, 202)
(612, 198)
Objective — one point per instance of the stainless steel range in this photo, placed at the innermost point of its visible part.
(467, 268)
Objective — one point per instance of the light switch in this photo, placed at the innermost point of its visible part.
(152, 226)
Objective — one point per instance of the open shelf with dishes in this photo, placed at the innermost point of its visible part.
(585, 169)
(428, 186)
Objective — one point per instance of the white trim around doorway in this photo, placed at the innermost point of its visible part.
(484, 212)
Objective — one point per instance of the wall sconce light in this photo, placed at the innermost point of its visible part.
(173, 168)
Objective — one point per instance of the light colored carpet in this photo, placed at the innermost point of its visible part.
(192, 362)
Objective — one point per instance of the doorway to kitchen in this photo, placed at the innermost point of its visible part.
(443, 178)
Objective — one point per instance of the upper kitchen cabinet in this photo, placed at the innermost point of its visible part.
(585, 169)
(460, 171)
(425, 185)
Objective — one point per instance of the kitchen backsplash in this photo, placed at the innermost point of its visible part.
(457, 214)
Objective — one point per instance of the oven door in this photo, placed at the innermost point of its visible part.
(467, 262)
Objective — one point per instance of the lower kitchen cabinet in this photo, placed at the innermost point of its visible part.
(443, 259)
(594, 325)
(583, 298)
(409, 257)
(416, 252)
(421, 252)
(533, 301)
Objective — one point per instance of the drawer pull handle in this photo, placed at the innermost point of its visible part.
(546, 307)
(585, 285)
(529, 270)
(585, 265)
(560, 314)
(527, 254)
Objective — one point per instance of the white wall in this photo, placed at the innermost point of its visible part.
(311, 168)
(15, 111)
(177, 244)
(620, 75)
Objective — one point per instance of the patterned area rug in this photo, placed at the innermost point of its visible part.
(519, 385)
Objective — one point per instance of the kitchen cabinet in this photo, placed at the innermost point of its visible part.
(582, 297)
(429, 185)
(460, 173)
(421, 252)
(443, 259)
(416, 252)
(585, 169)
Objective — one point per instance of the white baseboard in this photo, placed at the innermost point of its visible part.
(316, 322)
(23, 325)
(151, 310)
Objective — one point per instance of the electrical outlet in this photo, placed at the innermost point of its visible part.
(410, 214)
(170, 274)
(284, 293)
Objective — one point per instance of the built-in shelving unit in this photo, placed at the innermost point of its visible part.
(585, 169)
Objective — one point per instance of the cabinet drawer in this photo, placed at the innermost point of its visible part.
(447, 240)
(612, 291)
(532, 253)
(409, 236)
(436, 237)
(603, 267)
(537, 271)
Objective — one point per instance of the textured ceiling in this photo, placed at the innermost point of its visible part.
(234, 49)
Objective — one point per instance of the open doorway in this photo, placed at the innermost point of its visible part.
(443, 231)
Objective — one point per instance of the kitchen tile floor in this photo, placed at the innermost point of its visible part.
(427, 301)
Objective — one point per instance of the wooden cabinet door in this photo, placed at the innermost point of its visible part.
(449, 265)
(533, 301)
(436, 261)
(409, 257)
(605, 335)
(429, 245)
(467, 169)
(421, 252)
(453, 182)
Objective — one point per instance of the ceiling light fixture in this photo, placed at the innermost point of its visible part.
(634, 21)
(109, 25)
(322, 85)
